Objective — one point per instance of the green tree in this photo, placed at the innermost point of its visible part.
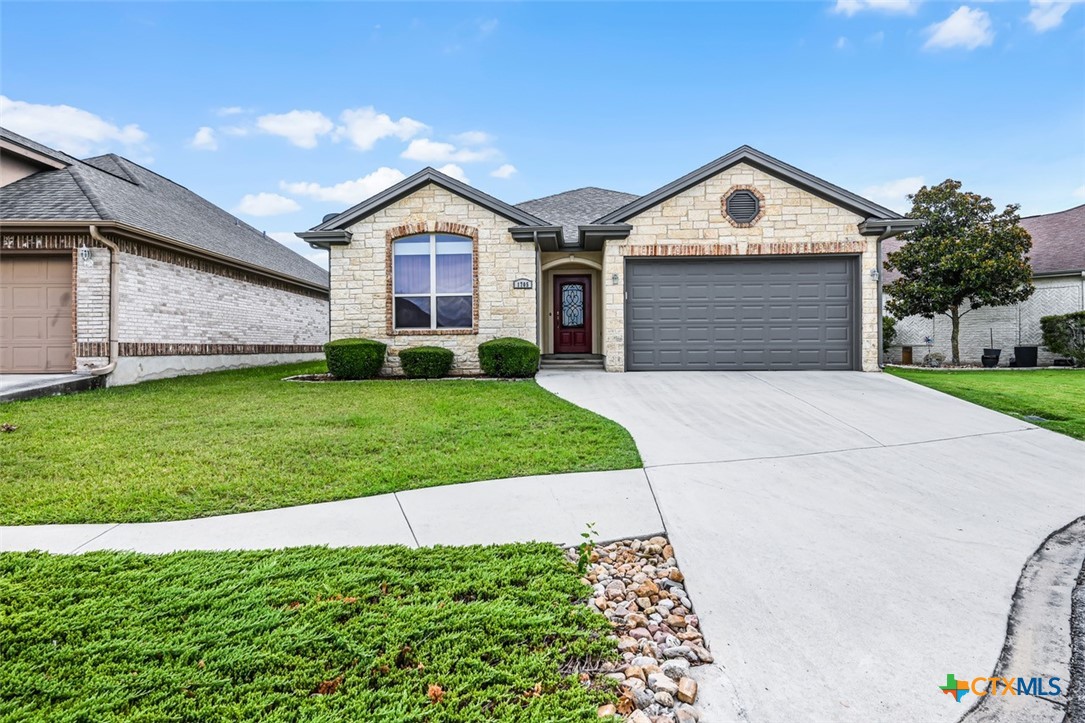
(964, 256)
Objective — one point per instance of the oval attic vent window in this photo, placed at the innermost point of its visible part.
(743, 206)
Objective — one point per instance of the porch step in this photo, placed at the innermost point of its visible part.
(571, 361)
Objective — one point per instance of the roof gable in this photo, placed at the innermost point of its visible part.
(110, 188)
(419, 180)
(768, 164)
(15, 141)
(576, 208)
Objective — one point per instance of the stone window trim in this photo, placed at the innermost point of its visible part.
(415, 228)
(760, 205)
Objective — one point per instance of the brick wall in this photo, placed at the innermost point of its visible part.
(92, 309)
(692, 223)
(360, 276)
(163, 302)
(1053, 295)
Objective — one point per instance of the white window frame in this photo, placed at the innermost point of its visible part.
(433, 295)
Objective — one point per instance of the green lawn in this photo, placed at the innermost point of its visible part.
(245, 440)
(304, 634)
(1057, 395)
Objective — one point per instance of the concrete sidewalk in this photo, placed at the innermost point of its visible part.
(552, 508)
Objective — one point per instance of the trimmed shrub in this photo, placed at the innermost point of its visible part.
(508, 357)
(1064, 334)
(426, 362)
(889, 332)
(354, 358)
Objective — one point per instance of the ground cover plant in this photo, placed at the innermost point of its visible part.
(1055, 395)
(246, 440)
(369, 634)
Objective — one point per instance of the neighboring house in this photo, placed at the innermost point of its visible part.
(745, 263)
(108, 268)
(1058, 273)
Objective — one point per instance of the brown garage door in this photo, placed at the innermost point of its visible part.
(35, 314)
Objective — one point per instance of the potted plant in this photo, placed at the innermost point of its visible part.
(991, 354)
(1024, 355)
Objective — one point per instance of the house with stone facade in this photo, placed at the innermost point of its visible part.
(1058, 274)
(110, 270)
(745, 263)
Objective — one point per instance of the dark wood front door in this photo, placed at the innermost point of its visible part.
(572, 314)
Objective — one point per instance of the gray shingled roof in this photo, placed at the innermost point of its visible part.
(112, 188)
(1058, 243)
(575, 208)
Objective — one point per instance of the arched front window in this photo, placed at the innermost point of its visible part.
(432, 282)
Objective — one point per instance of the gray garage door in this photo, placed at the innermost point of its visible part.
(741, 314)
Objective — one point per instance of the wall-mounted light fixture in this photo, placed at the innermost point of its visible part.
(84, 255)
(614, 279)
(874, 275)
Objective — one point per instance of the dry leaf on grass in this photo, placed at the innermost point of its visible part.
(327, 687)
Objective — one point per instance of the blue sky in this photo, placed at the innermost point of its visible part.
(283, 112)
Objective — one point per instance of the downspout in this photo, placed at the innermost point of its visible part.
(878, 267)
(114, 276)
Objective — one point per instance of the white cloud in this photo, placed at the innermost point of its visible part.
(266, 204)
(966, 28)
(300, 127)
(504, 171)
(451, 169)
(347, 192)
(841, 43)
(876, 38)
(235, 130)
(894, 194)
(851, 7)
(295, 244)
(473, 138)
(486, 27)
(230, 110)
(70, 129)
(427, 151)
(1048, 14)
(365, 126)
(204, 140)
(1080, 191)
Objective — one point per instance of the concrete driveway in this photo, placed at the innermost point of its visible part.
(849, 539)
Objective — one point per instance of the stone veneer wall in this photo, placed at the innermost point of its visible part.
(1053, 295)
(360, 276)
(692, 223)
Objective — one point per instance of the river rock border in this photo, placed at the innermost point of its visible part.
(637, 585)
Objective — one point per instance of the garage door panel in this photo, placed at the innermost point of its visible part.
(837, 333)
(25, 328)
(837, 311)
(776, 313)
(697, 312)
(58, 297)
(697, 335)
